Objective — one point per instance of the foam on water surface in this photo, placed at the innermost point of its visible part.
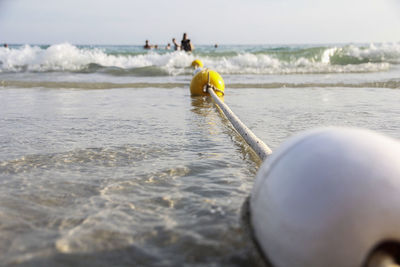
(228, 60)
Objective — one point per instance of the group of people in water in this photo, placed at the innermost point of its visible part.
(186, 45)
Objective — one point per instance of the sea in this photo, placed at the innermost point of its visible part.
(107, 160)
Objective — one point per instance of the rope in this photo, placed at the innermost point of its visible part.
(384, 262)
(261, 149)
(210, 86)
(382, 259)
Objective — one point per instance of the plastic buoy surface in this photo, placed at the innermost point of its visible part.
(200, 79)
(327, 198)
(197, 63)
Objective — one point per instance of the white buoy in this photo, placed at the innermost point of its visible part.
(327, 197)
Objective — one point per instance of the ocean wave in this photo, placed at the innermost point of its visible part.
(385, 53)
(134, 61)
(66, 57)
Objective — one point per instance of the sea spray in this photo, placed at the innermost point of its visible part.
(133, 60)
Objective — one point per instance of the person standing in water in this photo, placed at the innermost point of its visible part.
(186, 44)
(147, 46)
(176, 45)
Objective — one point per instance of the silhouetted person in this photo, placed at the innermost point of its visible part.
(176, 45)
(147, 46)
(186, 44)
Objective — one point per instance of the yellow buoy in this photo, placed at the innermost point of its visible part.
(197, 63)
(200, 80)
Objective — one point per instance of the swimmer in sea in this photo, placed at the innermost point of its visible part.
(186, 44)
(176, 45)
(147, 46)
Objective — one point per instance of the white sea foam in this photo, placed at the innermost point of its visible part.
(387, 52)
(264, 64)
(328, 53)
(67, 57)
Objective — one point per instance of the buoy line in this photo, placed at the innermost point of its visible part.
(261, 149)
(325, 197)
(207, 82)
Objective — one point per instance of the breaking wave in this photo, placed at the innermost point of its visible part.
(134, 61)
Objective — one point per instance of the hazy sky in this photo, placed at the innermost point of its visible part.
(206, 21)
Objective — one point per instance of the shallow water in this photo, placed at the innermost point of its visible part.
(149, 176)
(154, 172)
(118, 165)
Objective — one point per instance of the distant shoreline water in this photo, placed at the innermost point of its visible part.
(256, 66)
(229, 59)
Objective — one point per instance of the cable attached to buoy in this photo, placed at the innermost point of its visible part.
(387, 255)
(261, 149)
(208, 82)
(383, 260)
(315, 186)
